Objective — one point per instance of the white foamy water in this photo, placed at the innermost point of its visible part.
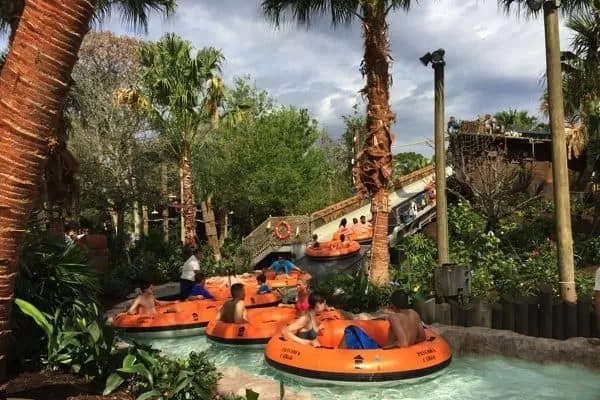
(467, 378)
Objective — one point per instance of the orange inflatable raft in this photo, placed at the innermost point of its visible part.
(249, 280)
(333, 249)
(252, 299)
(264, 324)
(180, 319)
(358, 367)
(364, 236)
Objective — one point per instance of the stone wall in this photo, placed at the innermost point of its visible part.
(478, 340)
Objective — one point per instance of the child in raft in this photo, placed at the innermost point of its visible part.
(234, 310)
(302, 294)
(304, 329)
(145, 303)
(199, 292)
(315, 242)
(406, 328)
(263, 288)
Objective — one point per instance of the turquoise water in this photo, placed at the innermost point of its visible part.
(476, 378)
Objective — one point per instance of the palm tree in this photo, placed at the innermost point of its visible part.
(375, 170)
(516, 119)
(184, 94)
(559, 152)
(33, 86)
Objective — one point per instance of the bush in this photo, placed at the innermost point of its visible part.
(151, 375)
(78, 344)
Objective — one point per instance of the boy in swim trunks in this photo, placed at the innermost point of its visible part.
(263, 288)
(234, 310)
(145, 303)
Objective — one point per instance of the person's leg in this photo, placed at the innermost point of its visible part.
(185, 288)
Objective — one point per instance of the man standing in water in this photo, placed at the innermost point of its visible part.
(187, 279)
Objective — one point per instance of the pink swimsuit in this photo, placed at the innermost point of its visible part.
(302, 305)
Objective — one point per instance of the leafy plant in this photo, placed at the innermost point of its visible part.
(79, 344)
(153, 376)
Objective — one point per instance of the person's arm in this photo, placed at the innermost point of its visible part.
(240, 309)
(289, 332)
(134, 306)
(206, 294)
(218, 316)
(400, 337)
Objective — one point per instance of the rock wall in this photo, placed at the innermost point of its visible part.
(478, 340)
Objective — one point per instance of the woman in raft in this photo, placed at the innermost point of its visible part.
(304, 329)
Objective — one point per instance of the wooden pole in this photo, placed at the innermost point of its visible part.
(440, 166)
(165, 210)
(562, 206)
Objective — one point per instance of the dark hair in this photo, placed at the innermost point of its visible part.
(237, 290)
(145, 285)
(399, 299)
(200, 277)
(69, 227)
(315, 298)
(262, 278)
(363, 217)
(342, 237)
(315, 236)
(343, 222)
(354, 220)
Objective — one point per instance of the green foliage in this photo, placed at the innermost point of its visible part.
(405, 163)
(153, 376)
(79, 344)
(416, 272)
(516, 120)
(358, 293)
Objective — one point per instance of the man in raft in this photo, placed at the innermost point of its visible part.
(234, 310)
(281, 264)
(406, 328)
(145, 303)
(199, 292)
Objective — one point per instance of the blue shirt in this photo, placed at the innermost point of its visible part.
(198, 290)
(284, 266)
(264, 288)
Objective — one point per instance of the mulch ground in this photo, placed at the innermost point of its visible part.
(46, 385)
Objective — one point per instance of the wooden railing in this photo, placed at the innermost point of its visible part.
(262, 240)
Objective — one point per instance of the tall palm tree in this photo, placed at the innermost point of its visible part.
(184, 92)
(375, 168)
(562, 203)
(33, 86)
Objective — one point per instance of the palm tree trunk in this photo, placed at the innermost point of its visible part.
(188, 205)
(33, 84)
(165, 210)
(210, 226)
(377, 170)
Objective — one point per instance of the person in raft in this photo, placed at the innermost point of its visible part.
(187, 280)
(342, 229)
(405, 329)
(356, 227)
(281, 265)
(145, 303)
(199, 292)
(315, 242)
(234, 310)
(597, 299)
(304, 329)
(364, 223)
(263, 288)
(302, 293)
(344, 242)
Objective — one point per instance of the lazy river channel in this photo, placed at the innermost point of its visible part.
(476, 378)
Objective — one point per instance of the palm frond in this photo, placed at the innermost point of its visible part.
(303, 11)
(133, 13)
(524, 8)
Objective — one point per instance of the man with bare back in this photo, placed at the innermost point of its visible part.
(406, 328)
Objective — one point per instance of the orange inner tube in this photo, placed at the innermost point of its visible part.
(273, 281)
(264, 324)
(252, 298)
(333, 249)
(362, 234)
(329, 363)
(184, 314)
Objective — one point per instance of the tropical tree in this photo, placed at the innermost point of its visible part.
(375, 170)
(562, 209)
(407, 162)
(184, 91)
(33, 86)
(516, 120)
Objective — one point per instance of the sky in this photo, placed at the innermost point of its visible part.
(494, 61)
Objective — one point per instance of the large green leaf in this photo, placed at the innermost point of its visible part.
(251, 395)
(39, 317)
(113, 382)
(140, 370)
(153, 394)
